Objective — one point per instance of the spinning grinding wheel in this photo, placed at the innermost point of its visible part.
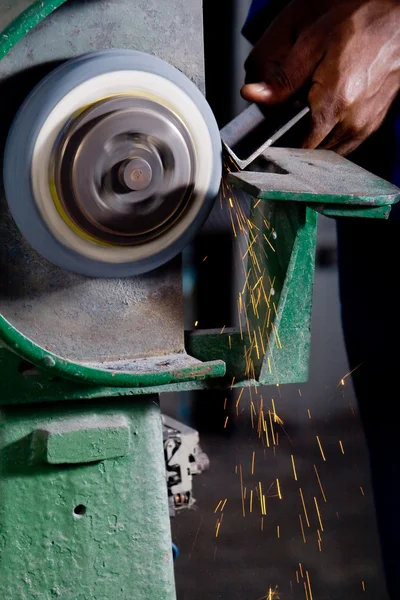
(112, 164)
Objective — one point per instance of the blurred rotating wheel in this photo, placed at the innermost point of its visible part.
(112, 164)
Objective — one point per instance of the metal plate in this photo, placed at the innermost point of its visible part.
(319, 176)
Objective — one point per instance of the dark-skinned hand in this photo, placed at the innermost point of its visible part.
(344, 54)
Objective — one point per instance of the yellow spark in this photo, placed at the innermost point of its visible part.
(297, 577)
(309, 413)
(205, 258)
(341, 446)
(269, 365)
(222, 330)
(309, 585)
(261, 497)
(301, 570)
(252, 463)
(226, 421)
(299, 390)
(266, 223)
(302, 529)
(249, 246)
(268, 242)
(362, 490)
(196, 323)
(279, 489)
(272, 428)
(218, 505)
(251, 500)
(241, 490)
(304, 507)
(233, 224)
(257, 203)
(318, 513)
(273, 409)
(223, 506)
(262, 523)
(258, 283)
(342, 381)
(320, 447)
(217, 530)
(305, 590)
(261, 339)
(320, 484)
(238, 401)
(278, 532)
(230, 342)
(230, 202)
(320, 545)
(294, 468)
(363, 585)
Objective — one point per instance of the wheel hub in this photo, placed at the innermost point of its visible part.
(124, 170)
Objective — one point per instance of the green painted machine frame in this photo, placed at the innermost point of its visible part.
(83, 502)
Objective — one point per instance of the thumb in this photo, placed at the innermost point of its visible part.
(286, 79)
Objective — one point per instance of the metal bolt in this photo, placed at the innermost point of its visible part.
(136, 174)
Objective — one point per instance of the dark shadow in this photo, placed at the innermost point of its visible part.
(15, 89)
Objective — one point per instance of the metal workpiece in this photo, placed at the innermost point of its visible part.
(321, 178)
(84, 510)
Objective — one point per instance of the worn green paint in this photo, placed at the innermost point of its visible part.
(338, 210)
(287, 336)
(27, 20)
(15, 341)
(82, 441)
(118, 545)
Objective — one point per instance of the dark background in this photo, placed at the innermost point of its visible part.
(243, 562)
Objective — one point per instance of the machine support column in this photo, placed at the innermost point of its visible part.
(83, 502)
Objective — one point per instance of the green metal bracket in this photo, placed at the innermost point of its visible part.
(288, 189)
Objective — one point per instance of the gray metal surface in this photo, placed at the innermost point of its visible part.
(9, 10)
(172, 32)
(318, 176)
(87, 319)
(79, 318)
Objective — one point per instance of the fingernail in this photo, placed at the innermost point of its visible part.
(260, 87)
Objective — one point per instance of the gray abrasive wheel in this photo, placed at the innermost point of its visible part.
(112, 164)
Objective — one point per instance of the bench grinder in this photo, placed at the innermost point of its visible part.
(111, 164)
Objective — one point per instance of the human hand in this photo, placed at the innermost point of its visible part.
(345, 54)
